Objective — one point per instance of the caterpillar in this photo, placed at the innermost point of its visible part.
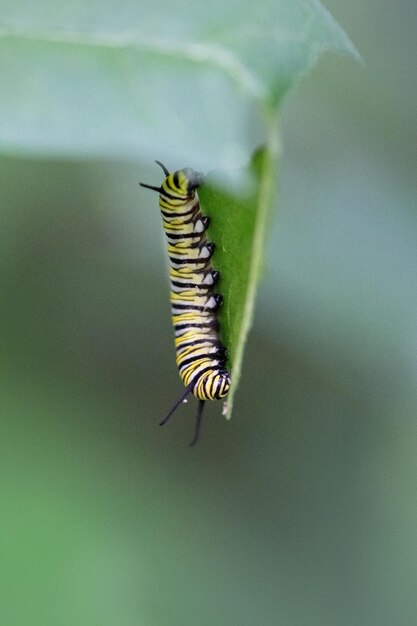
(200, 355)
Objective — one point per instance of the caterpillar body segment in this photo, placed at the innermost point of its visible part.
(200, 356)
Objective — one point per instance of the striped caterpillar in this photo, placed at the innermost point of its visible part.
(200, 356)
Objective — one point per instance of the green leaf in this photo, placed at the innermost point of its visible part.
(196, 84)
(238, 227)
(189, 82)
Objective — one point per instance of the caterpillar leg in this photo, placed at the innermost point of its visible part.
(198, 423)
(188, 390)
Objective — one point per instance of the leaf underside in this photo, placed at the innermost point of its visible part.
(196, 84)
(237, 227)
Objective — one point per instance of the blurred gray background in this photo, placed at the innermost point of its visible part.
(302, 510)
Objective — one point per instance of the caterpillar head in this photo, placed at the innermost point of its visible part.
(181, 183)
(189, 179)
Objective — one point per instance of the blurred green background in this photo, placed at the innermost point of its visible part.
(302, 510)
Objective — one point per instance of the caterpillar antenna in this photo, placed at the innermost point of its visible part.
(198, 423)
(165, 170)
(158, 189)
(176, 405)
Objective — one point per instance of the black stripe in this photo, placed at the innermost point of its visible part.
(196, 357)
(185, 236)
(191, 307)
(182, 223)
(176, 283)
(203, 371)
(201, 245)
(175, 213)
(213, 324)
(212, 382)
(188, 261)
(198, 342)
(170, 196)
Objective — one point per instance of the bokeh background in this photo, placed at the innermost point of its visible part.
(302, 510)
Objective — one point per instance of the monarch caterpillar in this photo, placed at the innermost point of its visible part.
(200, 356)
